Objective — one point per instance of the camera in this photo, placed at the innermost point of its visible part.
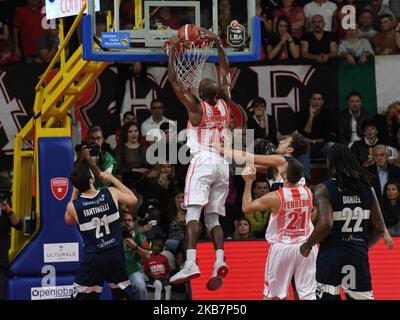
(94, 149)
(126, 233)
(4, 197)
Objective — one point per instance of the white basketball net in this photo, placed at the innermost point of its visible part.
(189, 61)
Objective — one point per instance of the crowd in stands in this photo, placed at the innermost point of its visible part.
(312, 30)
(318, 30)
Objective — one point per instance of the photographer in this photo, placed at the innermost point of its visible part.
(135, 248)
(7, 220)
(98, 159)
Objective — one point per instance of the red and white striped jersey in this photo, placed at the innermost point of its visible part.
(207, 135)
(292, 222)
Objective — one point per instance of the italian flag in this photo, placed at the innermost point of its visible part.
(378, 81)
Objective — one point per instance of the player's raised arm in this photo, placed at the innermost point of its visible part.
(186, 97)
(121, 193)
(269, 200)
(246, 158)
(325, 219)
(70, 216)
(377, 222)
(224, 75)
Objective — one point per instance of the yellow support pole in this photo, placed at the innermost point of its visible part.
(109, 21)
(61, 40)
(61, 47)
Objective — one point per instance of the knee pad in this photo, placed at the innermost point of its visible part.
(193, 213)
(211, 220)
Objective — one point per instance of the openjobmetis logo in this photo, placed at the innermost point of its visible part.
(59, 187)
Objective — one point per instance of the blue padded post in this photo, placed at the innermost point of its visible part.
(55, 160)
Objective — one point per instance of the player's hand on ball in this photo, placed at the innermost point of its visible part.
(305, 250)
(209, 34)
(249, 174)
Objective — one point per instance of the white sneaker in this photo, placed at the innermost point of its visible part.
(217, 278)
(189, 271)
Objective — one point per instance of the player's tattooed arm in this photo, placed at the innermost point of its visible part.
(325, 219)
(377, 222)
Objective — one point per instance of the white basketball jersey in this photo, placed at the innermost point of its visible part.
(207, 135)
(292, 222)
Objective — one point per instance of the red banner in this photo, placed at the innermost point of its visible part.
(246, 261)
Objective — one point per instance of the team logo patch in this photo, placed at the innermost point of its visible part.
(59, 187)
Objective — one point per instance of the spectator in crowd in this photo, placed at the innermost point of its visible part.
(378, 10)
(384, 42)
(27, 29)
(295, 14)
(4, 26)
(282, 45)
(366, 30)
(314, 123)
(397, 35)
(128, 116)
(363, 149)
(264, 126)
(131, 156)
(7, 220)
(101, 24)
(318, 45)
(353, 47)
(390, 206)
(382, 169)
(160, 185)
(177, 216)
(48, 46)
(258, 221)
(265, 15)
(157, 269)
(154, 121)
(232, 209)
(388, 125)
(243, 230)
(224, 15)
(94, 155)
(6, 53)
(342, 16)
(351, 119)
(167, 18)
(136, 250)
(153, 221)
(324, 8)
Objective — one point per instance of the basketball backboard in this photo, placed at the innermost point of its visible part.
(135, 30)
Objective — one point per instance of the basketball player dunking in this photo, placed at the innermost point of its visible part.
(207, 180)
(289, 227)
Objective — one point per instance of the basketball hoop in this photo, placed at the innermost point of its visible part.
(190, 57)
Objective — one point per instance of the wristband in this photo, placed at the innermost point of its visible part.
(9, 213)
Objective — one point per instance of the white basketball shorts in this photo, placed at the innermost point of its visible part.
(284, 261)
(207, 182)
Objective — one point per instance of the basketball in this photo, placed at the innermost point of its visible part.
(189, 32)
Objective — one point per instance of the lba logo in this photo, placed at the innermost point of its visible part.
(59, 187)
